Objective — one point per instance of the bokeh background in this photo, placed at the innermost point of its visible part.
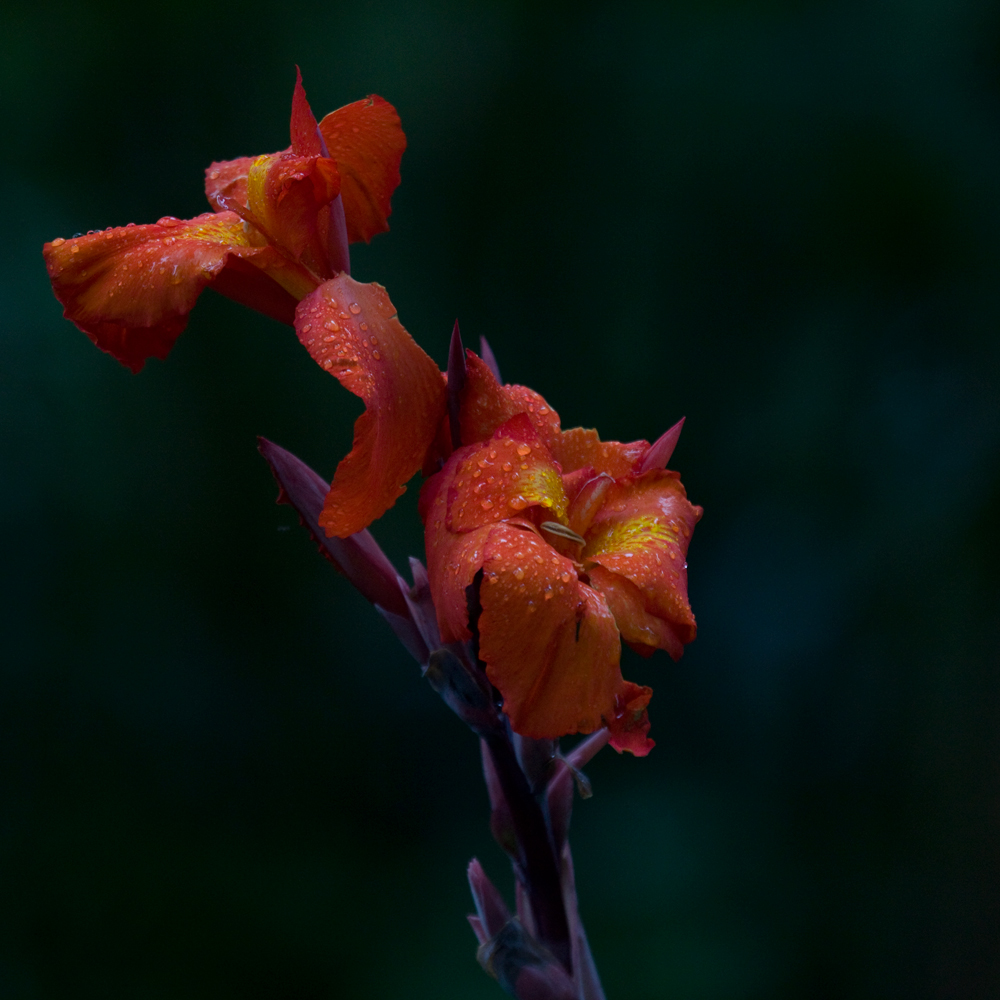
(220, 776)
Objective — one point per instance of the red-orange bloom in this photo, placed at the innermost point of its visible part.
(280, 227)
(578, 543)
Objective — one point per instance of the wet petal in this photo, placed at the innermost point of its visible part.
(549, 642)
(642, 534)
(580, 447)
(305, 139)
(130, 289)
(351, 331)
(366, 139)
(285, 196)
(643, 631)
(628, 725)
(226, 182)
(502, 478)
(485, 405)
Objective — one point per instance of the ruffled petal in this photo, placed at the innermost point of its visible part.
(367, 141)
(502, 478)
(351, 331)
(580, 447)
(485, 405)
(641, 629)
(226, 182)
(641, 534)
(549, 642)
(285, 197)
(130, 289)
(628, 725)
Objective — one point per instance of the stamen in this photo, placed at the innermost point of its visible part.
(555, 528)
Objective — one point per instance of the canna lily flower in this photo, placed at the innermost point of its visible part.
(280, 226)
(571, 545)
(567, 544)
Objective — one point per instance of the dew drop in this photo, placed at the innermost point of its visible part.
(355, 308)
(332, 324)
(507, 466)
(376, 355)
(522, 450)
(486, 504)
(58, 241)
(364, 326)
(519, 573)
(307, 327)
(476, 474)
(565, 578)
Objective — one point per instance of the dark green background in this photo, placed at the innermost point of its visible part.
(220, 776)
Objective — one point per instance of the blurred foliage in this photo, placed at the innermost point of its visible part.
(222, 779)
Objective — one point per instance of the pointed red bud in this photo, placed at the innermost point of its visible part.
(661, 449)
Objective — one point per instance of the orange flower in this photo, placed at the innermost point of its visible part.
(563, 544)
(280, 227)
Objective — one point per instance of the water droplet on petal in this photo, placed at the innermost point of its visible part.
(486, 504)
(376, 355)
(307, 327)
(58, 241)
(355, 308)
(522, 450)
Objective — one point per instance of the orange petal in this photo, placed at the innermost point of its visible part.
(285, 195)
(580, 447)
(643, 631)
(366, 139)
(503, 477)
(305, 138)
(452, 559)
(629, 723)
(641, 534)
(351, 331)
(549, 642)
(226, 182)
(130, 289)
(486, 404)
